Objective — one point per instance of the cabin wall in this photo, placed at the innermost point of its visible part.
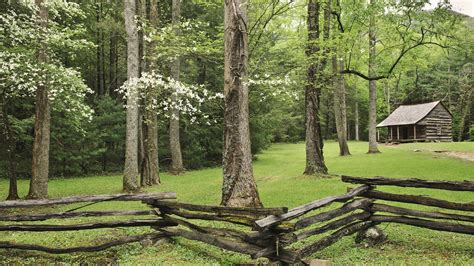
(438, 124)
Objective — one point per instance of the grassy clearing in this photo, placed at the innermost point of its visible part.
(278, 173)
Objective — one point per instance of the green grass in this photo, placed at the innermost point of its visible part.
(280, 182)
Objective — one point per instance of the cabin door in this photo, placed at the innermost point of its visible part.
(404, 132)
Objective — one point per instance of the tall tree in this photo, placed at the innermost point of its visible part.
(339, 86)
(466, 89)
(175, 145)
(239, 187)
(100, 86)
(340, 107)
(372, 84)
(9, 146)
(314, 140)
(356, 114)
(40, 162)
(150, 172)
(130, 175)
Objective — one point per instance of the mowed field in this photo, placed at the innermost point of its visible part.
(278, 172)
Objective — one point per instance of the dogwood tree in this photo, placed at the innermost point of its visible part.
(34, 35)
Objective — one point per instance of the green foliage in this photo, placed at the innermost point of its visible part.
(97, 149)
(87, 44)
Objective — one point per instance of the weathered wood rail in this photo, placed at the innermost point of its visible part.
(460, 222)
(72, 213)
(274, 233)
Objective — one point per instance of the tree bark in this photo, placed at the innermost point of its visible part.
(372, 86)
(314, 140)
(141, 17)
(466, 99)
(175, 146)
(152, 119)
(40, 163)
(130, 183)
(100, 51)
(112, 59)
(150, 172)
(10, 147)
(239, 187)
(340, 107)
(356, 115)
(145, 171)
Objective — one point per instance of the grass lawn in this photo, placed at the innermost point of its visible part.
(280, 182)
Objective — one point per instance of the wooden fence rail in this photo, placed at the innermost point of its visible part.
(79, 199)
(273, 233)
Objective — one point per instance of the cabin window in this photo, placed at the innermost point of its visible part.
(438, 129)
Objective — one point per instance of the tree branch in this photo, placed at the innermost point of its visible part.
(421, 42)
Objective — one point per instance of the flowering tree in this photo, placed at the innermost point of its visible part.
(158, 94)
(30, 67)
(164, 89)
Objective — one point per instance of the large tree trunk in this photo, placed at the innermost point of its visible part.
(314, 139)
(175, 146)
(40, 162)
(150, 172)
(340, 107)
(130, 176)
(10, 148)
(239, 187)
(372, 86)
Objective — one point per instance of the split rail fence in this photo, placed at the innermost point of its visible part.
(278, 234)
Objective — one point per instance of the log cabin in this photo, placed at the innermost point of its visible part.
(418, 122)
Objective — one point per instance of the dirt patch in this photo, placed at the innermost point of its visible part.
(465, 155)
(460, 154)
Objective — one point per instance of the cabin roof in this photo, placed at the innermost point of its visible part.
(408, 114)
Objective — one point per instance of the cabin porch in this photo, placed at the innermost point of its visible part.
(404, 133)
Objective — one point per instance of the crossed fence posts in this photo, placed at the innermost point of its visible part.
(273, 233)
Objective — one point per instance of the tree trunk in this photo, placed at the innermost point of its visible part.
(314, 139)
(150, 165)
(112, 58)
(100, 50)
(340, 107)
(10, 148)
(40, 161)
(356, 115)
(142, 113)
(339, 90)
(130, 183)
(175, 146)
(465, 102)
(372, 86)
(239, 187)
